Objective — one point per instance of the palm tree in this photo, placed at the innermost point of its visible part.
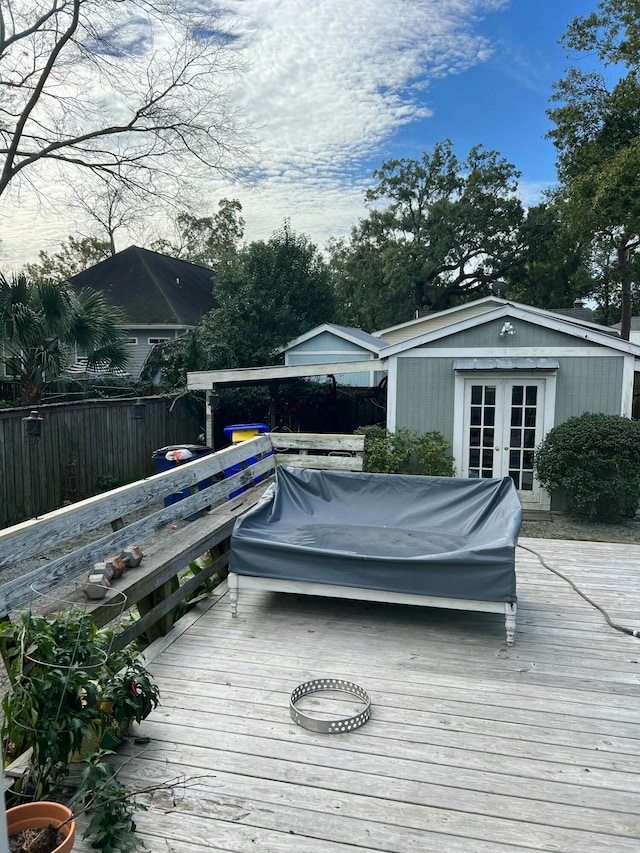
(42, 323)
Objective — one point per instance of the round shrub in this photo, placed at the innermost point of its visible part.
(594, 460)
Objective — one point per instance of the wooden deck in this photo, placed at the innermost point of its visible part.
(472, 747)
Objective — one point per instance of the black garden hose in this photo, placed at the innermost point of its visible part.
(630, 631)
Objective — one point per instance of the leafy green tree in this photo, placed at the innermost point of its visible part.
(444, 229)
(597, 135)
(175, 359)
(273, 292)
(41, 324)
(612, 32)
(365, 298)
(74, 256)
(554, 269)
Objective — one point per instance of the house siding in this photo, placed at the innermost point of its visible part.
(326, 348)
(428, 324)
(526, 335)
(138, 352)
(326, 342)
(425, 399)
(588, 385)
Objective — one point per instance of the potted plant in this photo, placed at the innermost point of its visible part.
(41, 827)
(68, 690)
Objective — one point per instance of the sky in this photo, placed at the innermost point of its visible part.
(333, 88)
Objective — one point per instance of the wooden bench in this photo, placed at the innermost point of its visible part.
(135, 515)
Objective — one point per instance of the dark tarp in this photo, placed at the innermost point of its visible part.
(441, 536)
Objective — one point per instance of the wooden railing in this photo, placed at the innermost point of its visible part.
(140, 514)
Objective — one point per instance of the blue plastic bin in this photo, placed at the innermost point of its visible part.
(237, 433)
(164, 464)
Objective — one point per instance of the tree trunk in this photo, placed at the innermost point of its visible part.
(625, 281)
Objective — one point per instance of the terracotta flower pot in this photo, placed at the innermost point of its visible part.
(39, 815)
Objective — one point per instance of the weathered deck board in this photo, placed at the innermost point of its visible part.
(472, 746)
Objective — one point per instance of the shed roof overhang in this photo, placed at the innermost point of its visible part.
(506, 364)
(204, 380)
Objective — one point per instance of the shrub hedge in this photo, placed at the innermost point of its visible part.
(405, 452)
(594, 459)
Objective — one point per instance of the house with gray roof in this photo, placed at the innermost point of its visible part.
(163, 297)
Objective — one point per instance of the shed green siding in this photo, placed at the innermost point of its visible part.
(526, 335)
(425, 398)
(588, 385)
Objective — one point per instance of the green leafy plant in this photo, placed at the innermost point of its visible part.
(593, 461)
(106, 482)
(111, 805)
(405, 452)
(67, 691)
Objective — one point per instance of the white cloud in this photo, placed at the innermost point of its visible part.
(327, 85)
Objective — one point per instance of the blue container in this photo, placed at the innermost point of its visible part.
(166, 458)
(237, 433)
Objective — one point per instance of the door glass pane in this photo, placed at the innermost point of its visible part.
(481, 431)
(524, 419)
(503, 427)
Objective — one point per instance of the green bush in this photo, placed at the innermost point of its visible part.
(594, 460)
(405, 452)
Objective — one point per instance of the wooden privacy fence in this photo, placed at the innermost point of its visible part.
(85, 447)
(168, 541)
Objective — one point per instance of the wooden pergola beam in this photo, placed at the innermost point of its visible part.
(203, 380)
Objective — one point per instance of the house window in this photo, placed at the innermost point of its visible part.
(5, 370)
(131, 341)
(152, 341)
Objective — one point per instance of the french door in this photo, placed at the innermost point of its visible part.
(503, 424)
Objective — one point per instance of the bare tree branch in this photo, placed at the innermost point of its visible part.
(116, 87)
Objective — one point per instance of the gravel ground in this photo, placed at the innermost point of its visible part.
(563, 527)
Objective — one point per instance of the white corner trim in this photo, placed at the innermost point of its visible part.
(512, 352)
(392, 394)
(628, 371)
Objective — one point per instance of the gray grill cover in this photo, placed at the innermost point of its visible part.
(442, 536)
